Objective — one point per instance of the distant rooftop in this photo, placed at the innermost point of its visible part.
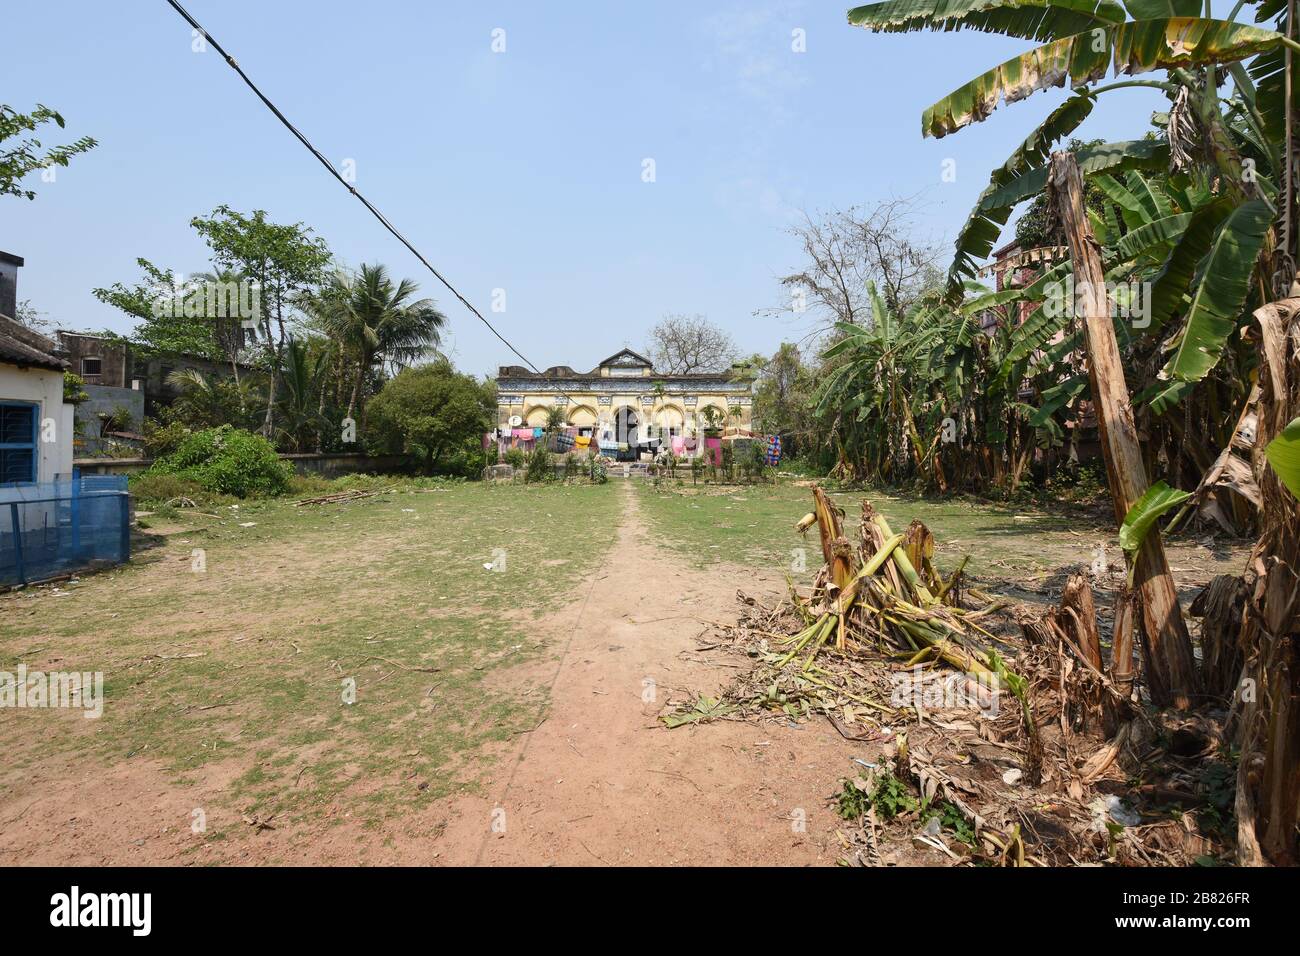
(624, 360)
(20, 346)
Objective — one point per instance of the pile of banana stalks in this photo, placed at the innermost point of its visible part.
(1027, 778)
(885, 593)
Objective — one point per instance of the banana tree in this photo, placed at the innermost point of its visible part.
(1230, 256)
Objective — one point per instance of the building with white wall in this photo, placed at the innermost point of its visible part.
(36, 427)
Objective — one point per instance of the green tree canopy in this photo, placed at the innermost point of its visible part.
(161, 330)
(28, 155)
(435, 414)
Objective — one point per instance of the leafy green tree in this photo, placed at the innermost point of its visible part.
(435, 414)
(782, 395)
(158, 329)
(285, 261)
(28, 155)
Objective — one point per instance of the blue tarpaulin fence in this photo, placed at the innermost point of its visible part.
(68, 524)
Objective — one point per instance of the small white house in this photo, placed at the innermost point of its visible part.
(36, 427)
(51, 522)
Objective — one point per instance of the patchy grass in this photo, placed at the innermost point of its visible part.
(754, 526)
(244, 664)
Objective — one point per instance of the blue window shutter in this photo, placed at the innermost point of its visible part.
(18, 429)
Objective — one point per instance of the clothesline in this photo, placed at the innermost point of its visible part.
(682, 446)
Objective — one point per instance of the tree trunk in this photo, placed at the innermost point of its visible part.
(1171, 668)
(1268, 777)
(277, 356)
(356, 392)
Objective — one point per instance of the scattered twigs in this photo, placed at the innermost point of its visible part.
(400, 666)
(336, 497)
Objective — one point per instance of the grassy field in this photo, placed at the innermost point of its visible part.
(754, 526)
(245, 662)
(233, 641)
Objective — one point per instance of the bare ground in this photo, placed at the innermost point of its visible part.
(598, 781)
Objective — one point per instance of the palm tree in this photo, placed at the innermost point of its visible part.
(303, 375)
(379, 322)
(205, 400)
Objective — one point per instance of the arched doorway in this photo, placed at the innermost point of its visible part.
(627, 431)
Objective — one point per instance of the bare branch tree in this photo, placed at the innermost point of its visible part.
(847, 249)
(681, 344)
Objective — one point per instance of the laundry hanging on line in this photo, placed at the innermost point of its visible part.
(774, 450)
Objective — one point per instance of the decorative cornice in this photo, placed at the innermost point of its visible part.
(623, 386)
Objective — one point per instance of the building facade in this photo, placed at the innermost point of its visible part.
(35, 425)
(623, 400)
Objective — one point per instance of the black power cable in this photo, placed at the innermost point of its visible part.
(350, 188)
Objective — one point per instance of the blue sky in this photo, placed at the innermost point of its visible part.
(519, 170)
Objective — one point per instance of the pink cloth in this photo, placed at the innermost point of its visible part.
(679, 446)
(714, 445)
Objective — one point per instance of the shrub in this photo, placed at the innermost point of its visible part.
(151, 487)
(434, 414)
(539, 465)
(1081, 483)
(228, 461)
(74, 389)
(161, 440)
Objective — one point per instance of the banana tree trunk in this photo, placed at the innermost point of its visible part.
(1171, 668)
(1268, 776)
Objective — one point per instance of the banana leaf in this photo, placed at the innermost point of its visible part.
(1058, 397)
(1132, 154)
(1149, 237)
(1157, 499)
(1150, 9)
(1217, 305)
(1283, 454)
(982, 229)
(1028, 19)
(1175, 278)
(1132, 47)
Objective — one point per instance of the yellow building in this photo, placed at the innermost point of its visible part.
(623, 404)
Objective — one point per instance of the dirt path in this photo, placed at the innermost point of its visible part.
(601, 781)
